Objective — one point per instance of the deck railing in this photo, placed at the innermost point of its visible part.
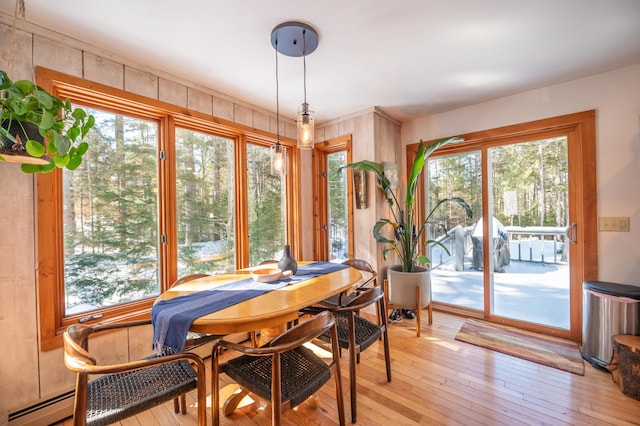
(541, 244)
(537, 244)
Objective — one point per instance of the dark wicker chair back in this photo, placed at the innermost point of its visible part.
(363, 265)
(356, 333)
(260, 370)
(126, 389)
(343, 299)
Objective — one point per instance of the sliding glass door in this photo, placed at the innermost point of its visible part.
(532, 240)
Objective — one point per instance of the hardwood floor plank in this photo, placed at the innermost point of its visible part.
(437, 380)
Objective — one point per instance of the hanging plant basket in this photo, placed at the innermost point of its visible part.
(64, 127)
(21, 132)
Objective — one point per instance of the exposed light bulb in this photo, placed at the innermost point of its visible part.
(305, 128)
(278, 159)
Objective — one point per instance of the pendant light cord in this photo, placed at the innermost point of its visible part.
(304, 62)
(277, 99)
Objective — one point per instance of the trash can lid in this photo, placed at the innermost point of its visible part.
(613, 289)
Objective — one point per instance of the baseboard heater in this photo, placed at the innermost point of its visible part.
(44, 412)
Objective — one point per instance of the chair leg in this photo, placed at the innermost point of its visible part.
(183, 400)
(387, 353)
(337, 375)
(176, 405)
(418, 309)
(352, 367)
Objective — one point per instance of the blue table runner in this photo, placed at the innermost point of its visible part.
(172, 318)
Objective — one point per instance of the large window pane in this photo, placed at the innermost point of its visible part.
(204, 203)
(110, 216)
(453, 278)
(529, 187)
(338, 207)
(266, 198)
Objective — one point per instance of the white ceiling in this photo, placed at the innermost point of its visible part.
(408, 57)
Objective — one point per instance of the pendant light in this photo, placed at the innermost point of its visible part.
(278, 151)
(304, 122)
(297, 39)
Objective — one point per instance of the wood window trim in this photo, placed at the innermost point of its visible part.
(580, 129)
(320, 152)
(49, 238)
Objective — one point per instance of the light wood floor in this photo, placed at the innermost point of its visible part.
(438, 380)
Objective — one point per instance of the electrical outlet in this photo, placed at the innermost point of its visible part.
(615, 224)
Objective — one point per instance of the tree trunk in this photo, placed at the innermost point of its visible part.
(625, 364)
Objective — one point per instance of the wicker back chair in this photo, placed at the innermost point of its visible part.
(342, 298)
(283, 371)
(363, 265)
(126, 389)
(356, 333)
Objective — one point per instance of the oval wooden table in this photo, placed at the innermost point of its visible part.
(268, 312)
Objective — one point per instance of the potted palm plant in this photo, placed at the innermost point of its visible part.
(408, 241)
(38, 129)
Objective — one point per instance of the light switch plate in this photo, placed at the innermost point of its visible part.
(615, 224)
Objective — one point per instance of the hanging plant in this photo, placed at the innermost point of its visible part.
(60, 127)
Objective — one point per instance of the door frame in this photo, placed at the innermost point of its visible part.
(320, 202)
(581, 151)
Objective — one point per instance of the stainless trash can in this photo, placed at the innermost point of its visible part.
(608, 309)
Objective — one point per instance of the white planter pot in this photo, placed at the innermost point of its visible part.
(402, 287)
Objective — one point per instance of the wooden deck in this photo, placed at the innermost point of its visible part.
(438, 380)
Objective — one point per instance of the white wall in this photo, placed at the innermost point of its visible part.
(615, 96)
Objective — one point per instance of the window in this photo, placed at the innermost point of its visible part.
(204, 203)
(110, 221)
(333, 205)
(266, 203)
(160, 194)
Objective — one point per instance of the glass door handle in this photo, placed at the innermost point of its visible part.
(571, 233)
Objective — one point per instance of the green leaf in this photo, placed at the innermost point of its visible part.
(74, 162)
(62, 143)
(82, 148)
(73, 133)
(30, 168)
(6, 134)
(5, 81)
(367, 166)
(45, 99)
(17, 107)
(423, 260)
(48, 120)
(53, 143)
(25, 86)
(47, 167)
(61, 160)
(79, 114)
(91, 120)
(378, 227)
(34, 148)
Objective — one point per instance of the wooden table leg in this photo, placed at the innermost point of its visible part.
(268, 334)
(232, 402)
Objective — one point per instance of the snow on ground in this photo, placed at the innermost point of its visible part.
(529, 291)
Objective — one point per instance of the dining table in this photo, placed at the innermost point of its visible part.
(269, 311)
